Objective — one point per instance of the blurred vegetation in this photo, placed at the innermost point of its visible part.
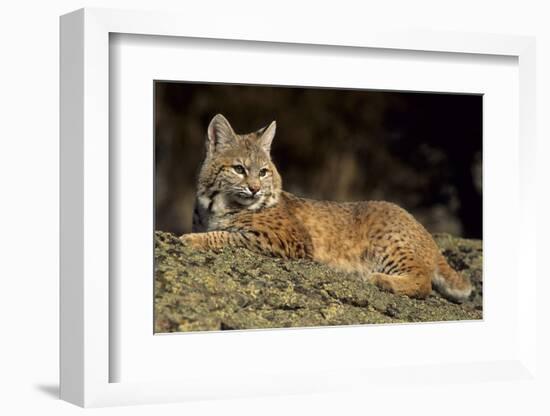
(422, 151)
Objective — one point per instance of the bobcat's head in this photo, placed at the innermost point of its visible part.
(237, 171)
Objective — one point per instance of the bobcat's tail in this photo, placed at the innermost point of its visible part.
(449, 283)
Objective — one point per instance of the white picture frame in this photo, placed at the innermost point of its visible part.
(86, 356)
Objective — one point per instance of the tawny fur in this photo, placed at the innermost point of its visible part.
(240, 202)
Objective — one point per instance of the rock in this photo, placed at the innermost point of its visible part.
(239, 289)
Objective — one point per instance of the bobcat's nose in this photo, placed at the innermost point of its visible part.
(253, 188)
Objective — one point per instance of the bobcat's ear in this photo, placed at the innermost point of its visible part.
(220, 134)
(266, 136)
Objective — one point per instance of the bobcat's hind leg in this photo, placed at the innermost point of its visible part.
(412, 285)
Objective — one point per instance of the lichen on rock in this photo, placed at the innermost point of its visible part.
(239, 289)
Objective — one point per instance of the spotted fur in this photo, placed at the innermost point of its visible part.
(240, 202)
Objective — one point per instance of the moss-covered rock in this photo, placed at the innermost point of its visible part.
(239, 289)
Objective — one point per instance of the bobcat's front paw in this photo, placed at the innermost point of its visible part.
(193, 240)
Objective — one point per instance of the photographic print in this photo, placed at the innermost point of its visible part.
(281, 207)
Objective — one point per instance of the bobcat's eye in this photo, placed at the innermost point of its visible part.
(239, 169)
(263, 172)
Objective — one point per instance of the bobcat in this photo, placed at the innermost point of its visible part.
(240, 202)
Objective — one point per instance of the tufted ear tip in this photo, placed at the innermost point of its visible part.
(266, 136)
(219, 118)
(220, 133)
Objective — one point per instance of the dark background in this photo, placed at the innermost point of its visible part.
(422, 151)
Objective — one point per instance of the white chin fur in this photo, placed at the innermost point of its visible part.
(249, 203)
